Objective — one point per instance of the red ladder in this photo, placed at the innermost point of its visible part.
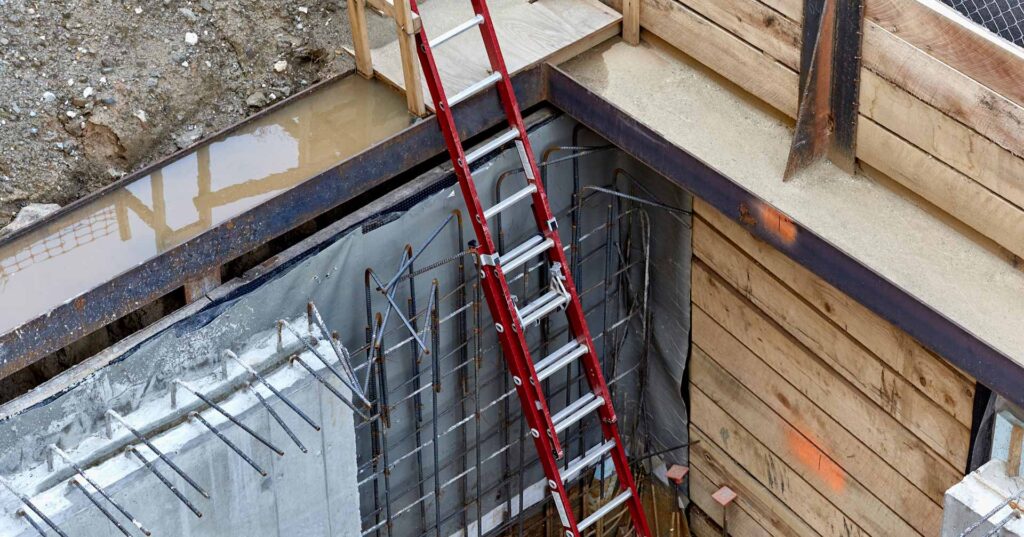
(511, 321)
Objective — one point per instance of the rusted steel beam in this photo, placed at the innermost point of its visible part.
(829, 85)
(142, 284)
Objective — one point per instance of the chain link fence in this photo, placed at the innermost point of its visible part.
(1003, 17)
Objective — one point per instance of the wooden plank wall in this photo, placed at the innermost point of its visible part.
(942, 105)
(825, 418)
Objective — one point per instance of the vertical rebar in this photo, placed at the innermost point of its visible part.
(383, 411)
(435, 343)
(372, 387)
(417, 400)
(476, 405)
(461, 324)
(609, 221)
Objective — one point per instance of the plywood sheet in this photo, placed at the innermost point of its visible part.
(528, 33)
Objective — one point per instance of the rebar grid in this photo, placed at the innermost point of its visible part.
(470, 420)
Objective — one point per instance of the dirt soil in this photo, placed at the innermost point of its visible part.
(93, 89)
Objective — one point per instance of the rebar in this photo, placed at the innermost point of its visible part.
(78, 469)
(160, 454)
(32, 507)
(35, 525)
(110, 516)
(220, 410)
(170, 486)
(277, 417)
(213, 429)
(263, 380)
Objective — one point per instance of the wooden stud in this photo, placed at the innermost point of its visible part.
(631, 21)
(360, 37)
(1016, 448)
(410, 60)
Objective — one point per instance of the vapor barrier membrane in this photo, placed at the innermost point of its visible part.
(636, 293)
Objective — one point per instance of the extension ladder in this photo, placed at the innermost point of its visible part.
(512, 321)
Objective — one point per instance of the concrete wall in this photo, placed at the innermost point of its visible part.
(979, 494)
(328, 269)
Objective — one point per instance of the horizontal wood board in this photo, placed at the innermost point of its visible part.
(855, 446)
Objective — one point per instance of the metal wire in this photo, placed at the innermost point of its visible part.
(465, 470)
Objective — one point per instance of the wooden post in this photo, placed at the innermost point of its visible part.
(410, 60)
(360, 37)
(631, 21)
(1016, 447)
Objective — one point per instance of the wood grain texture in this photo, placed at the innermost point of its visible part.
(751, 69)
(928, 127)
(631, 21)
(945, 88)
(928, 78)
(774, 82)
(754, 498)
(527, 32)
(411, 76)
(940, 381)
(796, 488)
(880, 510)
(741, 524)
(946, 35)
(360, 37)
(875, 378)
(886, 436)
(882, 478)
(947, 188)
(771, 471)
(938, 134)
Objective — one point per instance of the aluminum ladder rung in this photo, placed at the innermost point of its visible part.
(544, 305)
(526, 251)
(604, 510)
(576, 411)
(472, 90)
(562, 357)
(546, 426)
(471, 23)
(505, 138)
(510, 201)
(589, 459)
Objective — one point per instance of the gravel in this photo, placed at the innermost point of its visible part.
(89, 86)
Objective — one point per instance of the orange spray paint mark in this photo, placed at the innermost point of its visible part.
(777, 223)
(770, 219)
(817, 461)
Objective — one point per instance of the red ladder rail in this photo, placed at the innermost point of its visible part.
(511, 321)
